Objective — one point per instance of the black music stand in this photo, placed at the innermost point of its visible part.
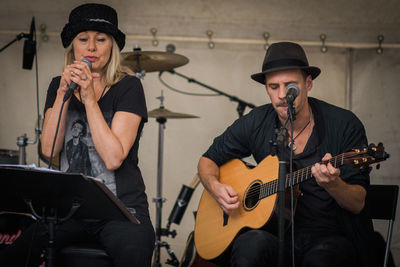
(58, 196)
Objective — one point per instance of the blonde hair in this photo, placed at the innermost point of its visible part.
(113, 70)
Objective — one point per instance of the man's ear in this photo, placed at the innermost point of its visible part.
(309, 83)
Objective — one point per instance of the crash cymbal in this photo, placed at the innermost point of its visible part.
(152, 60)
(165, 113)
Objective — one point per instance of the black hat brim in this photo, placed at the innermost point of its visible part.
(260, 77)
(71, 30)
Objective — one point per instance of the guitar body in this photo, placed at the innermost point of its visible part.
(214, 231)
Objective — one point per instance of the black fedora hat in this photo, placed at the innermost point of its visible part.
(285, 56)
(97, 17)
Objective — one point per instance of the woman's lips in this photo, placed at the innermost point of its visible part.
(91, 58)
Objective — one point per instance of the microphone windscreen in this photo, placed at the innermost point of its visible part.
(292, 88)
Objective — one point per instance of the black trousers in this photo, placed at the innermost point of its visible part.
(128, 244)
(260, 248)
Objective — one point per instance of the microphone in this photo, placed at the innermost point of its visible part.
(292, 91)
(72, 86)
(183, 201)
(29, 48)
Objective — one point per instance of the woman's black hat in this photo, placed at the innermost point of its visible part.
(285, 56)
(97, 17)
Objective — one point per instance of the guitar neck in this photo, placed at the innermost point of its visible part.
(299, 176)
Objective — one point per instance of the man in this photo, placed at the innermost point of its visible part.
(77, 151)
(328, 229)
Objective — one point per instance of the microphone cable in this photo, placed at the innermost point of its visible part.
(180, 91)
(55, 135)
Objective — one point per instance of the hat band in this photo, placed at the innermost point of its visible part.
(283, 63)
(100, 20)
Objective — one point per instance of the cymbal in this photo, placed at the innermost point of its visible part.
(165, 113)
(152, 60)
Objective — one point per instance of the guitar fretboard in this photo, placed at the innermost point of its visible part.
(299, 176)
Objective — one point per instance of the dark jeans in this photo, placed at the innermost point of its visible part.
(128, 244)
(260, 248)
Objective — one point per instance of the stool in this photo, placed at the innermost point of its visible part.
(85, 254)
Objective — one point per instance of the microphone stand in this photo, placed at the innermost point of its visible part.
(17, 38)
(280, 145)
(292, 117)
(241, 103)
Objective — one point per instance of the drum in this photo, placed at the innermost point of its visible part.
(12, 225)
(9, 156)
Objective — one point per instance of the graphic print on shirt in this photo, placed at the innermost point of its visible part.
(79, 154)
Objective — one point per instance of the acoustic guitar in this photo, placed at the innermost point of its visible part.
(257, 192)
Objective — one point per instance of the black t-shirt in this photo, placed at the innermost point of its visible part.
(315, 209)
(79, 154)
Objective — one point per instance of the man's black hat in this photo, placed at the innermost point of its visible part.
(97, 17)
(285, 56)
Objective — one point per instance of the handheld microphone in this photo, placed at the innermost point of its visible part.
(292, 91)
(72, 86)
(29, 48)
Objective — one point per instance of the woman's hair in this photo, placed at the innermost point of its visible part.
(113, 70)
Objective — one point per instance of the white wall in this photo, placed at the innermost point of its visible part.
(227, 68)
(376, 90)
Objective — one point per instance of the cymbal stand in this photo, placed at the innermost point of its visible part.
(241, 103)
(159, 200)
(139, 72)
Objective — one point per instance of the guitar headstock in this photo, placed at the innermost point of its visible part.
(363, 157)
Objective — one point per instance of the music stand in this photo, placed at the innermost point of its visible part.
(59, 196)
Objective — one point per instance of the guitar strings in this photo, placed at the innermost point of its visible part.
(266, 187)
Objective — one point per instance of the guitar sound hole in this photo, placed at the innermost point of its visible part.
(252, 196)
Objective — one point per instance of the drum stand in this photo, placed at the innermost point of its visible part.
(159, 200)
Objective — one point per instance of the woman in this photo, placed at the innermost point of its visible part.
(112, 106)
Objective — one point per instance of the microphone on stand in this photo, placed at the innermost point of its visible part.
(29, 48)
(72, 86)
(292, 91)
